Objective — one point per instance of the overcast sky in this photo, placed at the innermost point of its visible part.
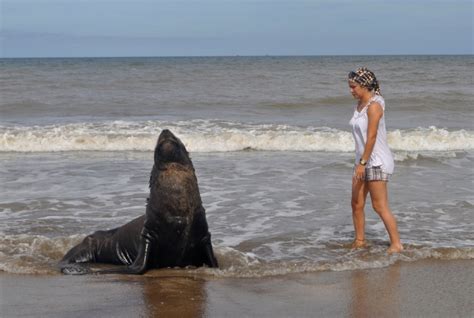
(64, 28)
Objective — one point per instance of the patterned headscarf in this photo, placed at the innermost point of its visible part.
(364, 77)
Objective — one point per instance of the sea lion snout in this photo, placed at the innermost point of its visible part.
(166, 133)
(170, 149)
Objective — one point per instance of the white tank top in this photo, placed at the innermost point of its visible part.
(381, 154)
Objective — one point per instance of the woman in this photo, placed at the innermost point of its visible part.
(374, 161)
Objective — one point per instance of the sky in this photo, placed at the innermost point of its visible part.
(109, 28)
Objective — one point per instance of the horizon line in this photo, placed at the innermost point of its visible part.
(237, 55)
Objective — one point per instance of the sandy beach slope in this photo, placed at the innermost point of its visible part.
(430, 288)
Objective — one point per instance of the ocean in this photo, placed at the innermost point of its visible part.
(271, 145)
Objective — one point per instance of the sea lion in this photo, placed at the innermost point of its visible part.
(172, 233)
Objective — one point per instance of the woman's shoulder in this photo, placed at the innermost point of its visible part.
(379, 99)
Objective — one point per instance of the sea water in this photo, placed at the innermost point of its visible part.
(271, 145)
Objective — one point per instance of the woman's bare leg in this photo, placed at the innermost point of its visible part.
(359, 195)
(379, 196)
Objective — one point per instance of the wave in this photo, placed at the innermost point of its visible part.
(246, 265)
(217, 136)
(37, 254)
(33, 254)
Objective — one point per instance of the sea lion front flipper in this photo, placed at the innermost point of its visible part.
(209, 258)
(141, 263)
(75, 269)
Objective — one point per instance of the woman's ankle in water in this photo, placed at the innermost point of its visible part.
(395, 248)
(359, 243)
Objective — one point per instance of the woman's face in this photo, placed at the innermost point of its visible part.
(357, 90)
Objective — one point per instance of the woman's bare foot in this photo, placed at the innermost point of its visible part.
(395, 248)
(359, 243)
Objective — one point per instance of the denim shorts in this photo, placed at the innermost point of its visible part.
(376, 174)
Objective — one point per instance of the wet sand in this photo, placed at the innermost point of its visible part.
(430, 288)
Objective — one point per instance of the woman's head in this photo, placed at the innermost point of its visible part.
(365, 78)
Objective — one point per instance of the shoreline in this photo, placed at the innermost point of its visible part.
(427, 288)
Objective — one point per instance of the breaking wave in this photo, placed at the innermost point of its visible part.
(217, 136)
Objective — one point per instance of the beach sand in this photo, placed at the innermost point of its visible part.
(429, 288)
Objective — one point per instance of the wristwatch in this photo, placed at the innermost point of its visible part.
(362, 162)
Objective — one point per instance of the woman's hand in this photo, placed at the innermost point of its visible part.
(359, 173)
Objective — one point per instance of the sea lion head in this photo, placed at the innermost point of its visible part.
(169, 149)
(173, 182)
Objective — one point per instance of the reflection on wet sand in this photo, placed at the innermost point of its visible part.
(174, 296)
(371, 298)
(425, 289)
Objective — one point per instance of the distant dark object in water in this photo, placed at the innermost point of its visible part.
(172, 233)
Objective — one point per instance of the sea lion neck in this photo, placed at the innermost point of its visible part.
(175, 166)
(176, 190)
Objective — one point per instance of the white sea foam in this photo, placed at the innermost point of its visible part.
(217, 136)
(33, 254)
(36, 254)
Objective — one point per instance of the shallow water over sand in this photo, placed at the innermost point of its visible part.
(271, 145)
(269, 212)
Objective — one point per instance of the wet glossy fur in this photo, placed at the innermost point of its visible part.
(173, 232)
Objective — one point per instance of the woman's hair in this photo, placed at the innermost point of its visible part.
(366, 78)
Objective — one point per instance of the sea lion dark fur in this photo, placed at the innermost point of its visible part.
(172, 233)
